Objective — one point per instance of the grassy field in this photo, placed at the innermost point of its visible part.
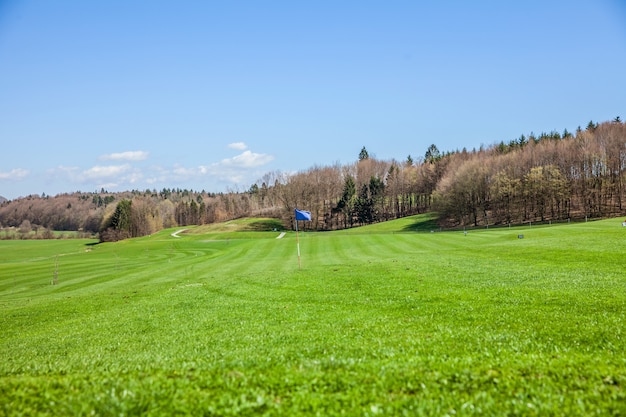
(388, 319)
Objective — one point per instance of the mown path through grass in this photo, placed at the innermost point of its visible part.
(222, 322)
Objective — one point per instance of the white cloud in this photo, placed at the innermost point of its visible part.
(107, 176)
(125, 156)
(134, 177)
(240, 146)
(239, 170)
(112, 176)
(70, 172)
(235, 171)
(183, 172)
(108, 185)
(247, 159)
(14, 174)
(100, 172)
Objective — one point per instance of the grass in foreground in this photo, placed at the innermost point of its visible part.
(222, 322)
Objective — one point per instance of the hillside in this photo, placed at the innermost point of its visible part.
(539, 178)
(221, 320)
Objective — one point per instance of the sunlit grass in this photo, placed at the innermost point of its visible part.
(221, 321)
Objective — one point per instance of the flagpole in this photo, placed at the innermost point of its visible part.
(300, 215)
(298, 244)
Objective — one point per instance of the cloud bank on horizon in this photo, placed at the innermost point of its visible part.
(132, 171)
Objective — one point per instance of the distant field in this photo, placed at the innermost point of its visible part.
(388, 319)
(14, 233)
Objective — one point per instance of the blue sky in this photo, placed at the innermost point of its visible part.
(212, 95)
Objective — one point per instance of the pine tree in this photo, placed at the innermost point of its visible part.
(432, 154)
(363, 155)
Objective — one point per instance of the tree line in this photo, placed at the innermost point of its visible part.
(538, 178)
(551, 176)
(114, 216)
(547, 178)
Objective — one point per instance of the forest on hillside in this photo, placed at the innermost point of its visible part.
(547, 177)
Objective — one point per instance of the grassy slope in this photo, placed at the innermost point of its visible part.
(221, 321)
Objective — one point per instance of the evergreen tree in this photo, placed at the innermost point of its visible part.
(363, 155)
(432, 154)
(346, 203)
(591, 126)
(522, 141)
(119, 225)
(363, 206)
(121, 217)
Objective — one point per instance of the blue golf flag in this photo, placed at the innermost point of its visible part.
(303, 215)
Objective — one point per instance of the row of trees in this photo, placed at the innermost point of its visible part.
(539, 178)
(557, 178)
(367, 191)
(144, 215)
(152, 210)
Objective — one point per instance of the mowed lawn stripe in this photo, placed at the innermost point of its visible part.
(328, 249)
(377, 322)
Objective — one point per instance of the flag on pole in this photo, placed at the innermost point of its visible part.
(303, 215)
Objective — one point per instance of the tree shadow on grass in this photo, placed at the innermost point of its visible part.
(424, 223)
(265, 225)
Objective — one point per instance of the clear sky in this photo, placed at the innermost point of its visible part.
(212, 95)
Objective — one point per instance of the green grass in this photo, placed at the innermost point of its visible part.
(380, 320)
(14, 233)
